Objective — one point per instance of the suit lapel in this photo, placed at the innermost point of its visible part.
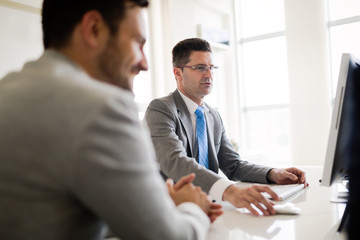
(213, 163)
(185, 119)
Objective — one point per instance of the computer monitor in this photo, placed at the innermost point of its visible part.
(353, 205)
(343, 122)
(342, 150)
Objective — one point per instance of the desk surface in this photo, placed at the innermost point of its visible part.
(318, 220)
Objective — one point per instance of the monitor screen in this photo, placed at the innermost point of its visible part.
(343, 122)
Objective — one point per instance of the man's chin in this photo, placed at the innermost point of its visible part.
(208, 90)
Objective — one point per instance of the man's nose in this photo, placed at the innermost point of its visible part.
(144, 63)
(209, 73)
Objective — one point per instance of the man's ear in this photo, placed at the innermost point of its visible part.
(94, 29)
(178, 73)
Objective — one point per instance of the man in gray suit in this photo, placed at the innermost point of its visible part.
(73, 154)
(173, 122)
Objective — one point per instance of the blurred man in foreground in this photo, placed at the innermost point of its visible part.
(73, 153)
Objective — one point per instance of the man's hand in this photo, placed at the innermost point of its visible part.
(185, 191)
(251, 197)
(215, 211)
(287, 176)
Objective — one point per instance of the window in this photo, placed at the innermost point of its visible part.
(344, 33)
(142, 82)
(264, 84)
(260, 17)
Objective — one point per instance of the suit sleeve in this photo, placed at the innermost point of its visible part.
(163, 123)
(116, 176)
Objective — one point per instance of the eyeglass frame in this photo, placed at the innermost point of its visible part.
(196, 67)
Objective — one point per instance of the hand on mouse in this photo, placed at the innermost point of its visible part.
(251, 197)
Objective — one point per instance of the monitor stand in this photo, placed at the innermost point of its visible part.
(342, 192)
(342, 197)
(344, 219)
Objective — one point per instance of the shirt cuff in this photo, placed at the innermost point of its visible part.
(218, 188)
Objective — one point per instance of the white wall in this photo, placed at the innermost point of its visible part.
(21, 37)
(309, 79)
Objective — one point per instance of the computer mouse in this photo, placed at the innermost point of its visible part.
(287, 209)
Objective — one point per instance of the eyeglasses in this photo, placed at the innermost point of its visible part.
(201, 68)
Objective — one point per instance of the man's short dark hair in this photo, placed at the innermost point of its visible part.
(182, 50)
(59, 17)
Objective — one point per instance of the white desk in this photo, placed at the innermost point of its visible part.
(318, 220)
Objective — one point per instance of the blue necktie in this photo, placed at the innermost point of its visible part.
(201, 136)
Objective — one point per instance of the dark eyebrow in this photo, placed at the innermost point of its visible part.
(201, 64)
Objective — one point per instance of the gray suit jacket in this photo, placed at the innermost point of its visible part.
(73, 155)
(171, 131)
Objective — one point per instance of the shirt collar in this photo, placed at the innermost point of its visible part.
(191, 105)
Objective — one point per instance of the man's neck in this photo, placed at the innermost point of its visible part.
(198, 101)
